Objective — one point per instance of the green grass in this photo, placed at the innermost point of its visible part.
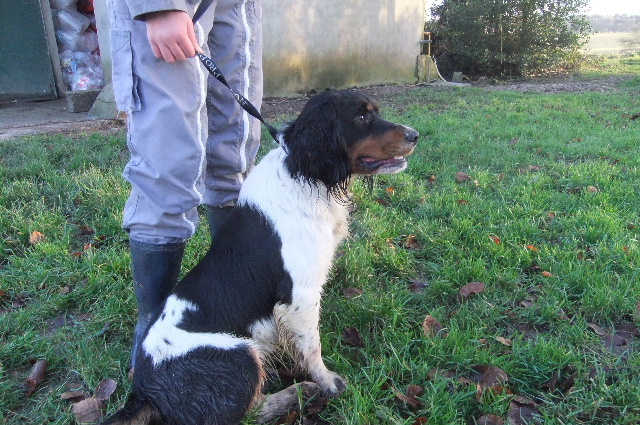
(607, 42)
(557, 172)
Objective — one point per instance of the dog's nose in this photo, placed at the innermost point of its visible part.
(411, 135)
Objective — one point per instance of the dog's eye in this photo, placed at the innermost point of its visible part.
(364, 118)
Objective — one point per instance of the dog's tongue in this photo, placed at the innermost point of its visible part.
(373, 161)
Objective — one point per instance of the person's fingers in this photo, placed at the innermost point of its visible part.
(194, 40)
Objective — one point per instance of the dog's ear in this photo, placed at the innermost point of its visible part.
(316, 146)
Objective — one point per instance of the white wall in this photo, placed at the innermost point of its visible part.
(315, 44)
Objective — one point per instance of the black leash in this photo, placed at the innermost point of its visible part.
(215, 71)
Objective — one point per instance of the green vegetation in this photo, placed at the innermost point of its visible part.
(535, 195)
(486, 38)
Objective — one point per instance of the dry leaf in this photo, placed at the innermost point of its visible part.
(489, 420)
(432, 327)
(86, 230)
(104, 389)
(411, 396)
(522, 411)
(489, 377)
(36, 238)
(598, 330)
(432, 178)
(463, 202)
(88, 411)
(504, 341)
(75, 396)
(546, 274)
(531, 248)
(391, 191)
(351, 336)
(418, 286)
(411, 242)
(471, 288)
(351, 293)
(462, 177)
(36, 376)
(496, 240)
(592, 189)
(420, 420)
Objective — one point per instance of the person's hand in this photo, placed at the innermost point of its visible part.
(171, 35)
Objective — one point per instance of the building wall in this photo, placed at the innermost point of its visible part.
(318, 44)
(315, 44)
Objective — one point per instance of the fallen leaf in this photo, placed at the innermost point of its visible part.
(546, 274)
(432, 327)
(463, 202)
(86, 230)
(489, 377)
(489, 420)
(411, 242)
(592, 189)
(38, 371)
(411, 396)
(390, 191)
(36, 238)
(598, 329)
(531, 248)
(104, 389)
(351, 336)
(289, 419)
(420, 420)
(351, 293)
(471, 288)
(522, 411)
(496, 240)
(432, 178)
(504, 341)
(88, 411)
(75, 396)
(418, 286)
(462, 177)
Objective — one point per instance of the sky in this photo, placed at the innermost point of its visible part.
(614, 7)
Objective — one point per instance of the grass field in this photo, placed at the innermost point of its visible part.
(531, 198)
(610, 42)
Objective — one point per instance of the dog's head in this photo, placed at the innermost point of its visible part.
(341, 133)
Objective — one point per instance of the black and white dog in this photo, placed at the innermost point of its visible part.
(260, 283)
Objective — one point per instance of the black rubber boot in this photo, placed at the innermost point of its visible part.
(216, 216)
(155, 273)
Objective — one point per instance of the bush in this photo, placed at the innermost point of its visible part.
(508, 38)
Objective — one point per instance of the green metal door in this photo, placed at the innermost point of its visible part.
(25, 61)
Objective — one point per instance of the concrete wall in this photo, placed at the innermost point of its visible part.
(315, 44)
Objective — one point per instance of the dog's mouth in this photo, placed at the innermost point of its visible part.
(383, 166)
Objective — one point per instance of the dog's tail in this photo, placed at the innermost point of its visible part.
(135, 412)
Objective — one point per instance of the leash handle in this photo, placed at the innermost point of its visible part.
(215, 71)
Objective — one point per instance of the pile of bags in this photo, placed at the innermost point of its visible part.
(76, 34)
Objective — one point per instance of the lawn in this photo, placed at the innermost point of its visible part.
(497, 278)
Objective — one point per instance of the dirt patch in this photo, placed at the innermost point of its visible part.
(274, 108)
(289, 107)
(557, 84)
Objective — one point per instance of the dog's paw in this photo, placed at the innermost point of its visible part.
(332, 384)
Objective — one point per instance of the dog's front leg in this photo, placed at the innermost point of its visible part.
(299, 320)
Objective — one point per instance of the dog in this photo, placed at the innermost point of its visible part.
(259, 285)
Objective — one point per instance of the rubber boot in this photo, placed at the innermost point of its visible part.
(216, 216)
(155, 273)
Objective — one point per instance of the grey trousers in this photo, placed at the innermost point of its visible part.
(190, 142)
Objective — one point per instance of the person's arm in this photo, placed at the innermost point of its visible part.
(171, 35)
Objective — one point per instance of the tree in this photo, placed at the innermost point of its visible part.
(508, 37)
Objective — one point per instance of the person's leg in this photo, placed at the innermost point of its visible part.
(167, 131)
(235, 43)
